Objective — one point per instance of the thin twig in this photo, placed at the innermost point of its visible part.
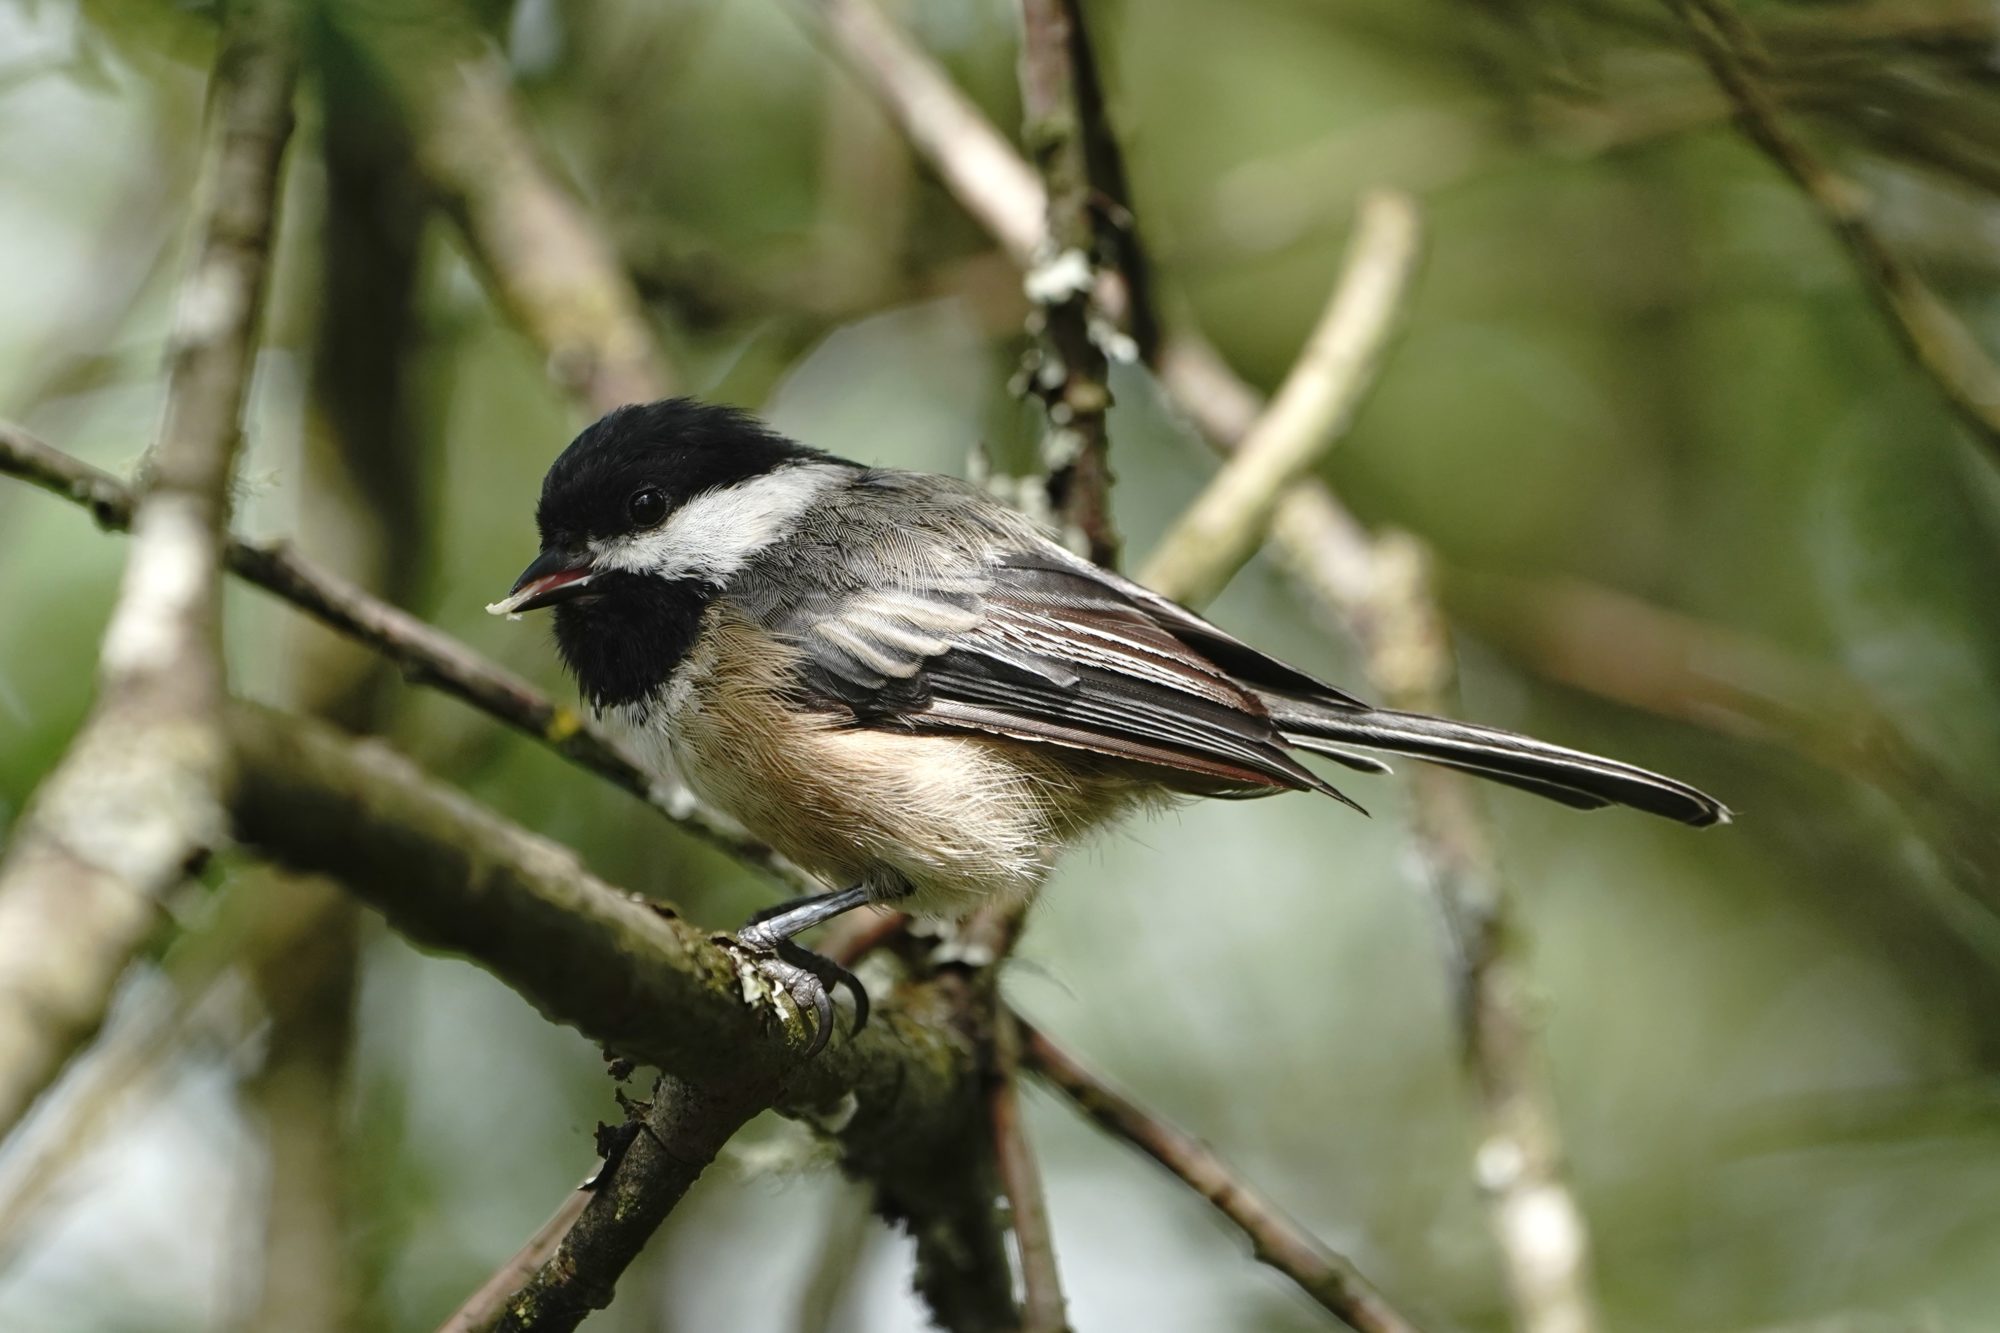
(426, 654)
(1041, 1283)
(1218, 533)
(484, 1308)
(1275, 1239)
(140, 796)
(839, 1260)
(682, 1130)
(1935, 338)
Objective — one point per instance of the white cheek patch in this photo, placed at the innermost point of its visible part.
(719, 531)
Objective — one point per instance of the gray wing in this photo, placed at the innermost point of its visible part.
(921, 604)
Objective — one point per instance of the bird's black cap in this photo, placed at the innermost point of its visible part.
(678, 446)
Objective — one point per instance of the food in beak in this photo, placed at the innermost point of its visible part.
(555, 576)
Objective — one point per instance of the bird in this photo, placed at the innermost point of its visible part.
(918, 694)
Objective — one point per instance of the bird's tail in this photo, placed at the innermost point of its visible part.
(1573, 777)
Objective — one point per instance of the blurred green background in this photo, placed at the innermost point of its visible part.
(1637, 379)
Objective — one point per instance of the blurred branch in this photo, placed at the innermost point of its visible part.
(1042, 1303)
(1275, 1239)
(1219, 532)
(307, 986)
(425, 654)
(973, 159)
(125, 1068)
(1544, 1241)
(140, 795)
(1677, 666)
(365, 469)
(1339, 567)
(839, 1260)
(681, 1131)
(1942, 347)
(1067, 368)
(544, 259)
(484, 1308)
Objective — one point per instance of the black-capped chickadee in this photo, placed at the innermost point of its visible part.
(912, 690)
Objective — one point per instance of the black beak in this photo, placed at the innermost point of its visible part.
(556, 576)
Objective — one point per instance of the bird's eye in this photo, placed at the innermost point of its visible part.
(646, 508)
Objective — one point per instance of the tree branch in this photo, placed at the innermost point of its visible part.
(629, 973)
(1335, 563)
(1275, 1239)
(1934, 337)
(974, 160)
(545, 261)
(1217, 534)
(140, 795)
(1041, 1282)
(424, 653)
(1067, 367)
(682, 1130)
(484, 1308)
(900, 1097)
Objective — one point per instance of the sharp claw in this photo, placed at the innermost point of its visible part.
(830, 975)
(807, 978)
(860, 993)
(823, 1011)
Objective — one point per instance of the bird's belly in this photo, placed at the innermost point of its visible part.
(937, 823)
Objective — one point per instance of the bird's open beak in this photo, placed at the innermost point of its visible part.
(556, 576)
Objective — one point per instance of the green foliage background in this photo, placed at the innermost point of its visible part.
(1634, 359)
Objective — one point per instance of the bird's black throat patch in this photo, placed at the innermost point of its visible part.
(623, 638)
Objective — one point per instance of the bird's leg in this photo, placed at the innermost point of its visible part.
(805, 975)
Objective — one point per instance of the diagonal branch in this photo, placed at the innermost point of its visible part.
(1217, 534)
(973, 159)
(456, 878)
(424, 653)
(1934, 337)
(629, 973)
(1274, 1238)
(682, 1130)
(544, 259)
(484, 1308)
(140, 796)
(1042, 1306)
(638, 1177)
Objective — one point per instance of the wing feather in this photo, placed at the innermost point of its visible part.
(1036, 653)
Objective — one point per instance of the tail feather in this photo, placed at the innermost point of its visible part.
(1571, 776)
